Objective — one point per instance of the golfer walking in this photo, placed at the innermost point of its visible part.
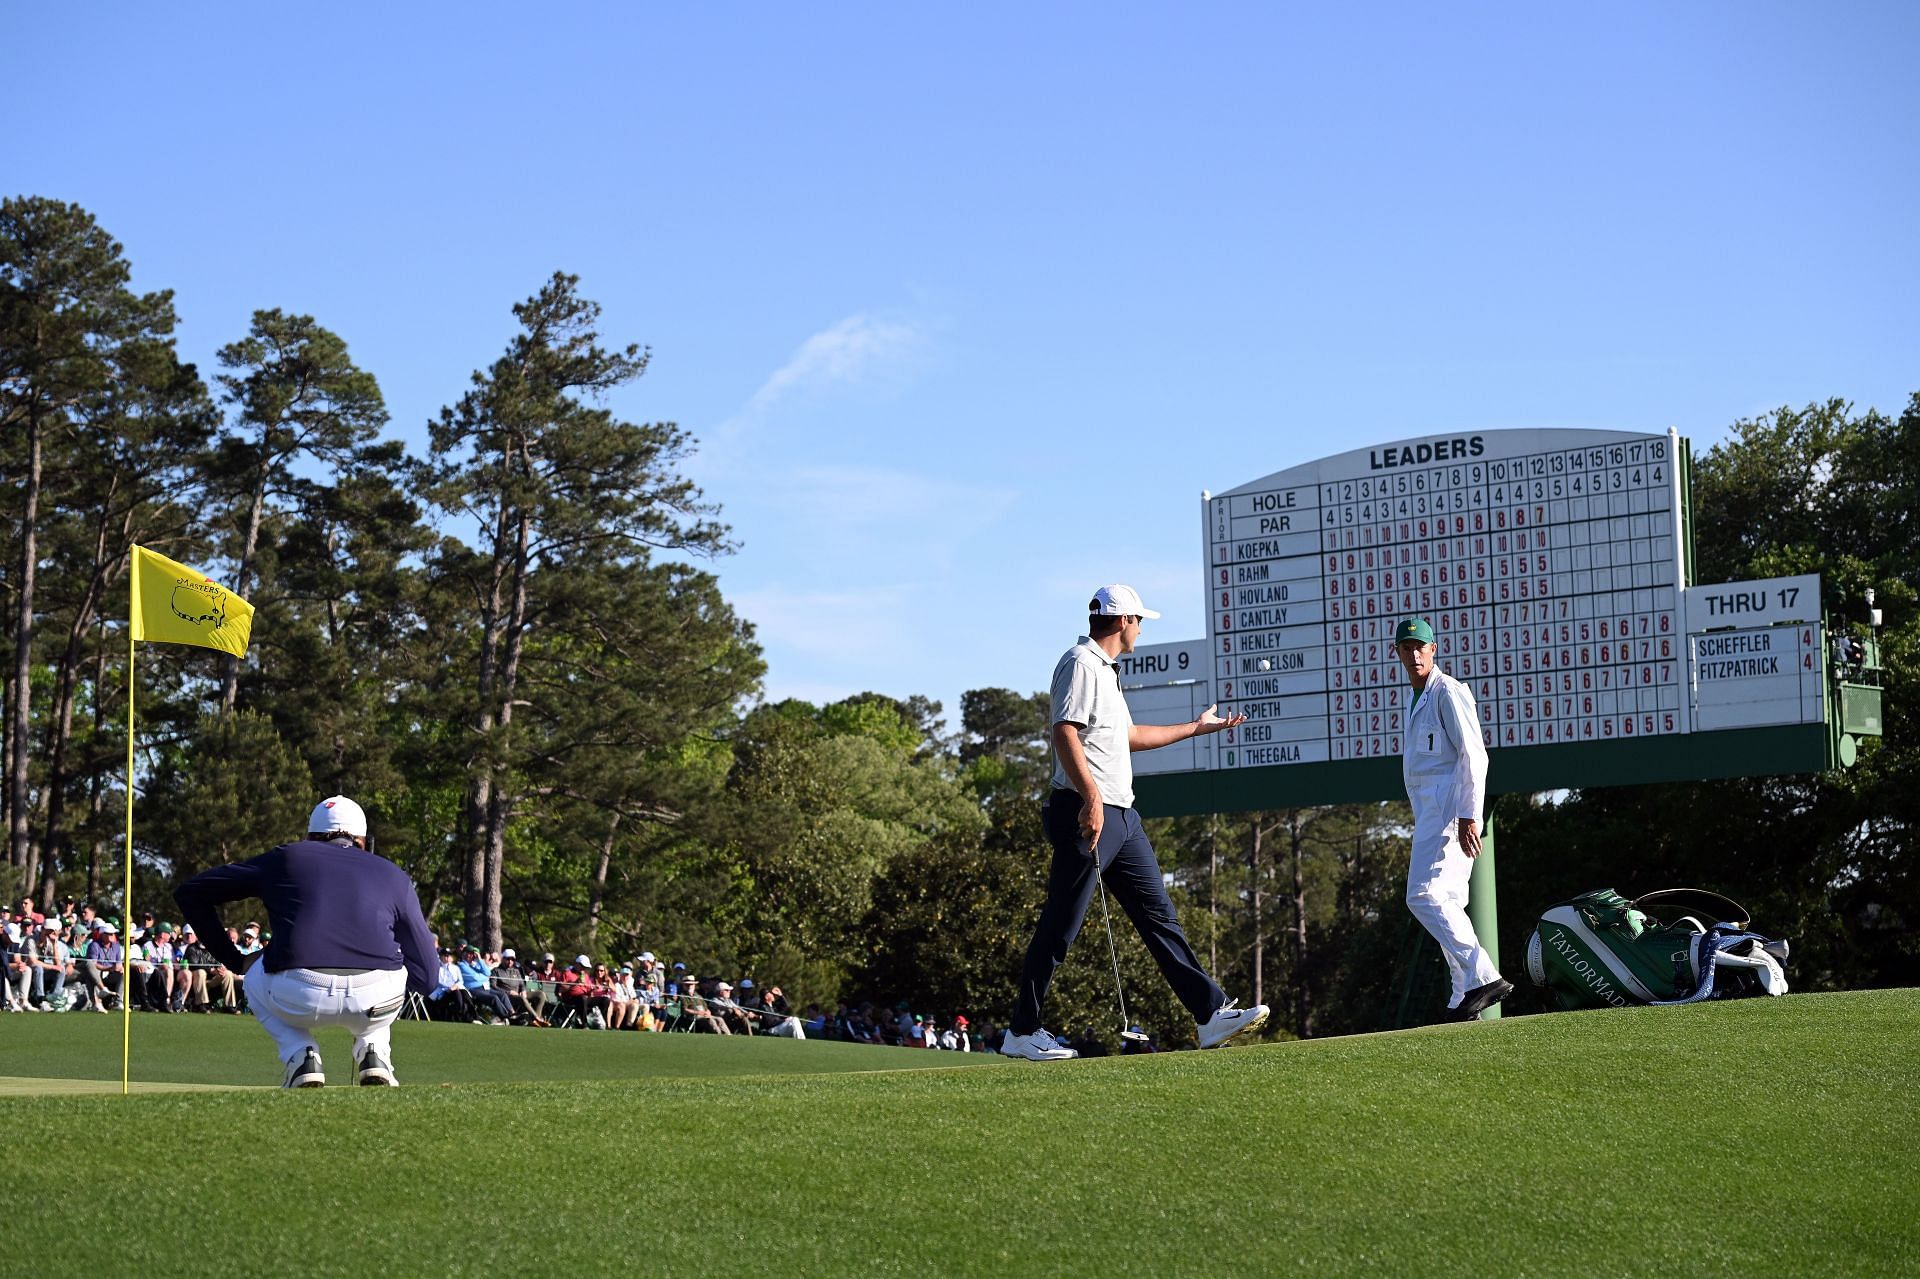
(346, 941)
(1444, 765)
(1091, 823)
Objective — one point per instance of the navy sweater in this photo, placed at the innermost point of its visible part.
(331, 905)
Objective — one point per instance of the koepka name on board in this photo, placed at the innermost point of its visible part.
(1426, 451)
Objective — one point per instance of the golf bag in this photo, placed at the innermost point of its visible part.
(1602, 951)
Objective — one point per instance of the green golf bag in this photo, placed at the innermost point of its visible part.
(1601, 950)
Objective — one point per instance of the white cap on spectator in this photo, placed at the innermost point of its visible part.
(647, 955)
(338, 814)
(508, 954)
(547, 957)
(581, 959)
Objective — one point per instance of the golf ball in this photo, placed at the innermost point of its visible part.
(1265, 664)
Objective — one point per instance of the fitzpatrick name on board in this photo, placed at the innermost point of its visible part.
(1426, 451)
(1739, 656)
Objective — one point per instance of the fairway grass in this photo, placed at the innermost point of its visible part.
(1758, 1137)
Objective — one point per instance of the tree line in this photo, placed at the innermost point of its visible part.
(515, 652)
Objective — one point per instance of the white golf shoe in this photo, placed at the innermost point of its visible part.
(304, 1072)
(1229, 1020)
(1039, 1046)
(376, 1071)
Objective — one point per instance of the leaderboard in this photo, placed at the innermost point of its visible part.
(1549, 563)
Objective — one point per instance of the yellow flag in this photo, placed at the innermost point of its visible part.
(173, 604)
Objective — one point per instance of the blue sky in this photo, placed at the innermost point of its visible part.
(966, 307)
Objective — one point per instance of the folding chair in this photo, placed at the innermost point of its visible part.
(416, 1007)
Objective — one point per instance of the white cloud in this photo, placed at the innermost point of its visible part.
(855, 350)
(860, 350)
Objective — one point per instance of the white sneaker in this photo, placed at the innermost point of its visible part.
(375, 1071)
(1229, 1020)
(1039, 1046)
(304, 1071)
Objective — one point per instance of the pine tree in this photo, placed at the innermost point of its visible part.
(546, 477)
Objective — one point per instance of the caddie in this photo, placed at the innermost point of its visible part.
(1444, 765)
(347, 941)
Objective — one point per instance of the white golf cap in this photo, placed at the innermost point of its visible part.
(1118, 601)
(508, 954)
(338, 814)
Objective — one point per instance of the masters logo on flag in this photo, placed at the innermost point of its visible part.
(173, 604)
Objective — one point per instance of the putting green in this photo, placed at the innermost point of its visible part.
(235, 1052)
(1766, 1136)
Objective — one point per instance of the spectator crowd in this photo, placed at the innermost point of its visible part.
(74, 959)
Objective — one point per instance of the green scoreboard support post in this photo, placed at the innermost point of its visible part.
(1483, 902)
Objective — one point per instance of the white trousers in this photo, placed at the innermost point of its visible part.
(291, 1003)
(1437, 875)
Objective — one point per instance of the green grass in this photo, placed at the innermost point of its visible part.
(234, 1051)
(1759, 1137)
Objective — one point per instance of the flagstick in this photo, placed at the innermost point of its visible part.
(126, 909)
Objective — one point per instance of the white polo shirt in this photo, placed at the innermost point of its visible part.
(1086, 691)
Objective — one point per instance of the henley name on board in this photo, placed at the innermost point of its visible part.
(1273, 644)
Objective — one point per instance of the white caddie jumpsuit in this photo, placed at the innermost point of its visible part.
(1445, 769)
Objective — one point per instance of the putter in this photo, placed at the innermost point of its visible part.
(1126, 1031)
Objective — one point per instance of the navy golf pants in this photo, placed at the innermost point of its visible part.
(1132, 875)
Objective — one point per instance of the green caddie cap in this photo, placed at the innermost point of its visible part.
(1414, 628)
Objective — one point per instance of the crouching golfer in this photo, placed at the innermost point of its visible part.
(347, 941)
(1444, 765)
(1094, 830)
